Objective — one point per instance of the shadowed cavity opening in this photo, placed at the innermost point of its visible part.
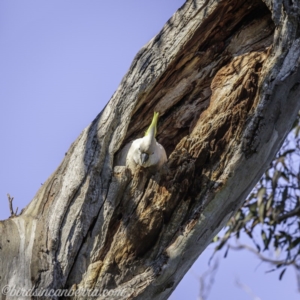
(183, 91)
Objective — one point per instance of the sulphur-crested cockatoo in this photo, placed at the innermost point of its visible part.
(146, 151)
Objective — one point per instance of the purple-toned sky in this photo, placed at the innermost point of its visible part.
(60, 62)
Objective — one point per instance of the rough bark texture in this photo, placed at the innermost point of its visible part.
(224, 76)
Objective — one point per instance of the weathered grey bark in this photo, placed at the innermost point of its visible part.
(224, 76)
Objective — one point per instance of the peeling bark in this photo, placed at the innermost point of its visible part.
(224, 76)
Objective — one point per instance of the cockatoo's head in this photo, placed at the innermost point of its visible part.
(148, 143)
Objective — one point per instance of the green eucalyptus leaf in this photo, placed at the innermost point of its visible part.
(260, 195)
(285, 177)
(282, 273)
(261, 212)
(284, 194)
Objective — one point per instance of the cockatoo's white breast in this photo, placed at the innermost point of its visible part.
(152, 150)
(145, 152)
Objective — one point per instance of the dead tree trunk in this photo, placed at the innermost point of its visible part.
(224, 75)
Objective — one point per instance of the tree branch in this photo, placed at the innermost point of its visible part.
(262, 257)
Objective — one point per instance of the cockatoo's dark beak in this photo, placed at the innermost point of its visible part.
(144, 157)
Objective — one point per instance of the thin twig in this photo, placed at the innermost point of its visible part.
(297, 270)
(10, 201)
(262, 257)
(206, 280)
(247, 289)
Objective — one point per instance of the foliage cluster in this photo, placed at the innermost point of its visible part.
(271, 214)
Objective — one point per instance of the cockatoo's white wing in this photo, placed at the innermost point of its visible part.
(132, 159)
(159, 157)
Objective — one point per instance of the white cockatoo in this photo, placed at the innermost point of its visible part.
(146, 151)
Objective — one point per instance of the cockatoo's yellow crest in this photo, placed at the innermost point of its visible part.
(153, 124)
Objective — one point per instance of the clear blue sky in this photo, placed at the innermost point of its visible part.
(60, 62)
